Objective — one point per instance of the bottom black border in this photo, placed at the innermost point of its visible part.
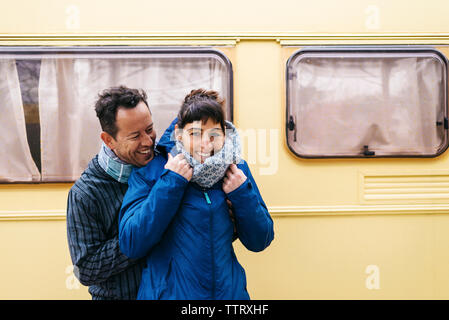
(254, 309)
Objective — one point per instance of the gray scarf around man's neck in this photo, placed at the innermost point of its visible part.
(113, 165)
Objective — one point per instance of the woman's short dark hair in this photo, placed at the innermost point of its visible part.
(201, 104)
(110, 100)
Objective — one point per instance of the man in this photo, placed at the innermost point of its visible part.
(95, 199)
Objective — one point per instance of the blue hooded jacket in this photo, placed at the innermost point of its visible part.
(185, 232)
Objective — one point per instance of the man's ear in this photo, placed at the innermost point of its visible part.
(108, 140)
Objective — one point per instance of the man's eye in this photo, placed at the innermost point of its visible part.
(149, 130)
(196, 134)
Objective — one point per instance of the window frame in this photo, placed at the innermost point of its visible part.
(290, 124)
(22, 51)
(34, 50)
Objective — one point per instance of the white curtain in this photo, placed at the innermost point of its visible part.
(68, 89)
(16, 162)
(390, 104)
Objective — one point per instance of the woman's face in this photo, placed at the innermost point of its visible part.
(201, 140)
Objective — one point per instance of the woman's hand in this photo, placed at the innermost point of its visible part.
(179, 165)
(233, 179)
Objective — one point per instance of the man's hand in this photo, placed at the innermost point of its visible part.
(234, 178)
(179, 165)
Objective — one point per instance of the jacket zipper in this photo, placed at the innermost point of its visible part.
(206, 196)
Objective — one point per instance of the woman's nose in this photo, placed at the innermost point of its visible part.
(205, 142)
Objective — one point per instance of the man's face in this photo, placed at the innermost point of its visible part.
(134, 142)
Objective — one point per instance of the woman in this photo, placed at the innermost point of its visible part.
(175, 212)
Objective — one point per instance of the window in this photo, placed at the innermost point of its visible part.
(367, 102)
(49, 130)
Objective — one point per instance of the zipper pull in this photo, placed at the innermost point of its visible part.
(207, 197)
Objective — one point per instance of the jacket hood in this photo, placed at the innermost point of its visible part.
(167, 141)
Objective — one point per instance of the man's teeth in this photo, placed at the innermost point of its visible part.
(145, 152)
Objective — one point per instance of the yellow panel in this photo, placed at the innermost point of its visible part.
(329, 242)
(33, 197)
(36, 262)
(327, 239)
(334, 258)
(355, 16)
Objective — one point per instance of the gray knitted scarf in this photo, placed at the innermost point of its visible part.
(214, 168)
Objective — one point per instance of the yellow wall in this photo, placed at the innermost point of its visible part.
(347, 16)
(326, 232)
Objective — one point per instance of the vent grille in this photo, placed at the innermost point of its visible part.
(409, 188)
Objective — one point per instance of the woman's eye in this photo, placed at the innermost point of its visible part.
(214, 136)
(195, 134)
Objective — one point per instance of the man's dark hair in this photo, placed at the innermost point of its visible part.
(113, 98)
(201, 105)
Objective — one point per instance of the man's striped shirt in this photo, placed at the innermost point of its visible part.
(93, 206)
